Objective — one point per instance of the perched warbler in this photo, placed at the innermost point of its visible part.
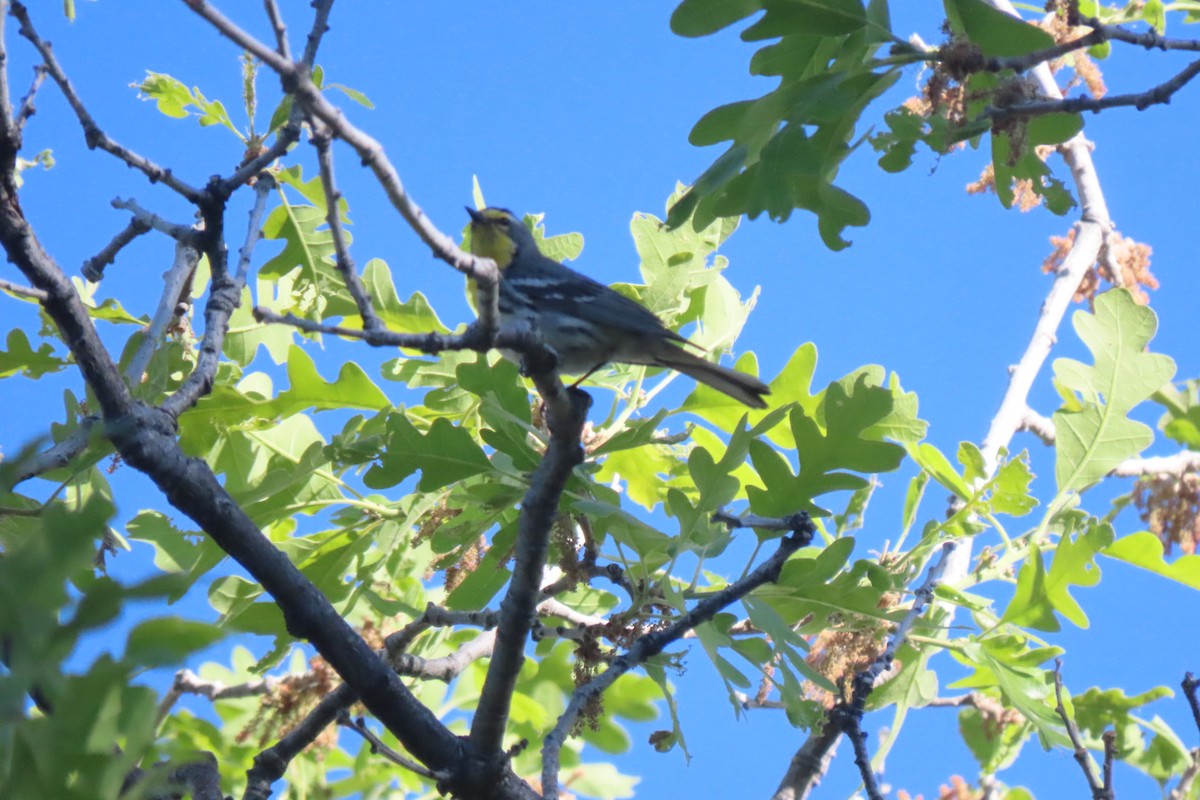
(585, 322)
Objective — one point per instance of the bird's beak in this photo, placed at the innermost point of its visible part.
(476, 216)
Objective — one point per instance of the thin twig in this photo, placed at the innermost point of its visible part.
(958, 701)
(145, 220)
(733, 522)
(345, 263)
(553, 608)
(224, 296)
(1156, 95)
(850, 717)
(1109, 737)
(1079, 750)
(281, 41)
(470, 339)
(1151, 39)
(188, 682)
(58, 456)
(93, 268)
(1190, 685)
(175, 280)
(175, 283)
(22, 291)
(28, 109)
(262, 190)
(749, 703)
(448, 667)
(1030, 60)
(809, 765)
(320, 25)
(1187, 779)
(1181, 463)
(289, 134)
(359, 726)
(93, 134)
(296, 79)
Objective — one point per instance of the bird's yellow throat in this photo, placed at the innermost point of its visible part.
(490, 241)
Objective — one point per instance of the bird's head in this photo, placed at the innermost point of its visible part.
(497, 234)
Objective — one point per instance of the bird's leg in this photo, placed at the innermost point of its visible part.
(587, 375)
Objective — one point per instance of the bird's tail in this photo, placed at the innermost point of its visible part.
(738, 385)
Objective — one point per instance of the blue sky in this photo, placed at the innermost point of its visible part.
(582, 111)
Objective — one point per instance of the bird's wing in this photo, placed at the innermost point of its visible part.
(563, 290)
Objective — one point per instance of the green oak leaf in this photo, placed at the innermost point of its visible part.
(444, 455)
(1099, 435)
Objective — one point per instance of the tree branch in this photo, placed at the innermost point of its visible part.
(810, 762)
(321, 139)
(143, 220)
(289, 134)
(22, 291)
(1039, 426)
(473, 338)
(651, 644)
(1179, 464)
(1183, 789)
(1092, 230)
(188, 682)
(281, 41)
(809, 765)
(539, 509)
(733, 522)
(1187, 780)
(59, 455)
(1160, 94)
(1151, 40)
(1031, 60)
(1080, 752)
(296, 80)
(146, 439)
(1190, 686)
(262, 188)
(10, 131)
(201, 779)
(224, 296)
(93, 135)
(93, 268)
(28, 109)
(448, 667)
(176, 281)
(270, 764)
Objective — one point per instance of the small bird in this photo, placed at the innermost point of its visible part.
(585, 322)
